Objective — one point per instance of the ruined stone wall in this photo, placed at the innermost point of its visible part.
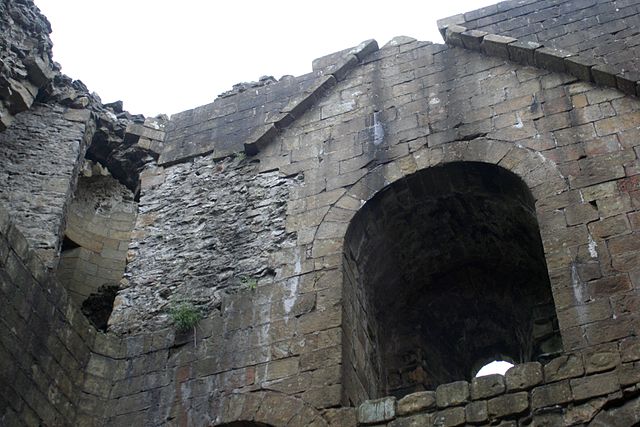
(44, 340)
(257, 244)
(41, 155)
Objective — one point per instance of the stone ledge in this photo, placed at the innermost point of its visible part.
(583, 67)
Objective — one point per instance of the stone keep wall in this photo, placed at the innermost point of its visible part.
(41, 156)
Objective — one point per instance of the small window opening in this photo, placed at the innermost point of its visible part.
(98, 306)
(494, 367)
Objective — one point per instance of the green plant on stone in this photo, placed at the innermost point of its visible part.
(250, 283)
(240, 155)
(184, 315)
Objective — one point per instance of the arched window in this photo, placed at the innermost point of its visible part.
(444, 269)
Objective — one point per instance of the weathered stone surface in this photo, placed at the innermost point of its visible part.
(487, 386)
(237, 197)
(523, 376)
(550, 395)
(452, 394)
(377, 411)
(416, 402)
(509, 404)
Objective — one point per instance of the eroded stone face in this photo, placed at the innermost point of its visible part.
(206, 227)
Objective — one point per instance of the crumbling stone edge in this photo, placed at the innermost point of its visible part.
(300, 104)
(584, 67)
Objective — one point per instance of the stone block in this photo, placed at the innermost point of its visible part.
(594, 385)
(551, 59)
(453, 35)
(449, 417)
(77, 115)
(627, 81)
(260, 138)
(550, 395)
(508, 404)
(444, 23)
(580, 66)
(522, 52)
(523, 376)
(472, 39)
(340, 417)
(135, 130)
(419, 420)
(476, 412)
(630, 349)
(604, 75)
(416, 402)
(377, 411)
(365, 48)
(344, 67)
(602, 359)
(487, 386)
(629, 374)
(452, 394)
(496, 45)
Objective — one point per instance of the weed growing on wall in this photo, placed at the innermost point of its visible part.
(185, 315)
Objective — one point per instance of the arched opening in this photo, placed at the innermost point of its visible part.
(443, 268)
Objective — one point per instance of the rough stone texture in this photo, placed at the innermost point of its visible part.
(377, 411)
(40, 157)
(227, 224)
(25, 57)
(44, 342)
(602, 30)
(223, 126)
(295, 344)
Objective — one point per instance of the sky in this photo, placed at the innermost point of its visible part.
(167, 56)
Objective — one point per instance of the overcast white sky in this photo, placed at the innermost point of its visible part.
(167, 56)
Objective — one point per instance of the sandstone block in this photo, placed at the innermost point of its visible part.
(594, 385)
(522, 52)
(419, 420)
(452, 394)
(476, 412)
(487, 386)
(551, 59)
(377, 411)
(523, 376)
(509, 404)
(416, 402)
(449, 417)
(630, 349)
(496, 45)
(552, 394)
(601, 360)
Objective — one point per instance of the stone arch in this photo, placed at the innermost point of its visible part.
(540, 175)
(265, 408)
